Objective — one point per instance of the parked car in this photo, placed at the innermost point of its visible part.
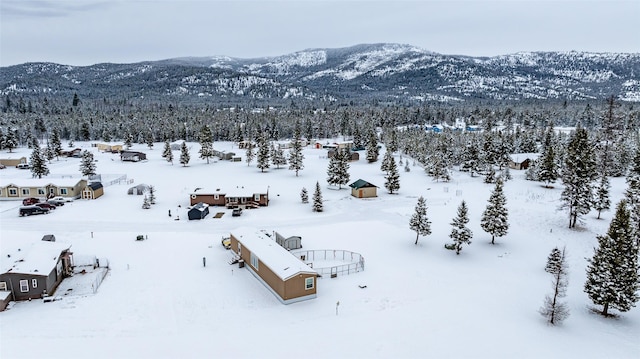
(23, 166)
(2, 166)
(236, 212)
(226, 242)
(62, 199)
(31, 210)
(55, 202)
(49, 206)
(29, 201)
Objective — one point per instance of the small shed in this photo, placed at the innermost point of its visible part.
(363, 189)
(93, 190)
(139, 189)
(199, 211)
(293, 242)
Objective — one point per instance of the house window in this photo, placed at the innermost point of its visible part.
(24, 285)
(26, 192)
(13, 192)
(256, 197)
(254, 261)
(3, 285)
(41, 192)
(216, 197)
(308, 283)
(63, 191)
(34, 283)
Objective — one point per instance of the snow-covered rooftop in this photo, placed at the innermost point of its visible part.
(35, 258)
(40, 182)
(519, 157)
(279, 260)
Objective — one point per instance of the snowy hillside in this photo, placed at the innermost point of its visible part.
(388, 71)
(159, 301)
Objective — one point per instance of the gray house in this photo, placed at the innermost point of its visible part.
(34, 271)
(293, 242)
(132, 156)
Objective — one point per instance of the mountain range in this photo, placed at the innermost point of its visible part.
(362, 73)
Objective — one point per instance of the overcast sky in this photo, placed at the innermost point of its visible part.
(85, 32)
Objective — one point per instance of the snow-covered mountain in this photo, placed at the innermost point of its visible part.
(380, 72)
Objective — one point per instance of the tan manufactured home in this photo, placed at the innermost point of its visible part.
(41, 187)
(286, 276)
(12, 161)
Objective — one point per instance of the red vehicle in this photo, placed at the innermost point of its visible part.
(29, 201)
(46, 205)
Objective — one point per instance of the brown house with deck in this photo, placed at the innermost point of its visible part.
(239, 197)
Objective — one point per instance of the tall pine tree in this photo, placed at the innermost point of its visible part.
(460, 233)
(206, 143)
(87, 164)
(495, 219)
(554, 310)
(419, 221)
(184, 154)
(612, 273)
(263, 153)
(392, 178)
(38, 163)
(295, 154)
(318, 206)
(578, 173)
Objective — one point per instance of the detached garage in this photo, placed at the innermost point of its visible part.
(199, 211)
(363, 189)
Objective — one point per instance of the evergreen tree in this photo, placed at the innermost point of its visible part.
(612, 273)
(145, 203)
(11, 139)
(601, 201)
(554, 261)
(372, 146)
(277, 156)
(263, 153)
(386, 159)
(128, 139)
(49, 152)
(338, 170)
(206, 143)
(490, 177)
(295, 154)
(148, 139)
(304, 195)
(317, 199)
(548, 168)
(184, 154)
(460, 233)
(56, 143)
(38, 163)
(553, 309)
(632, 195)
(578, 173)
(495, 219)
(392, 182)
(419, 221)
(152, 195)
(87, 164)
(167, 154)
(250, 154)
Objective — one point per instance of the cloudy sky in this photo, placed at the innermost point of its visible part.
(84, 32)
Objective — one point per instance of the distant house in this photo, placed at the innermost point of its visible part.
(246, 144)
(241, 196)
(139, 189)
(93, 190)
(76, 152)
(109, 147)
(226, 156)
(198, 211)
(522, 161)
(41, 187)
(363, 189)
(12, 161)
(286, 276)
(35, 270)
(132, 156)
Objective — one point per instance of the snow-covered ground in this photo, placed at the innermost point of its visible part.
(420, 301)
